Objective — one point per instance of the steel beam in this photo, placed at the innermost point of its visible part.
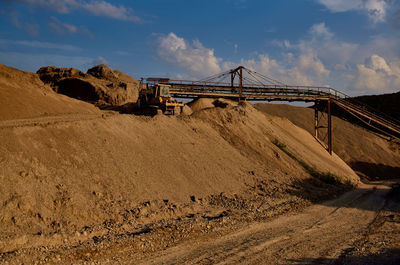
(316, 121)
(240, 82)
(329, 128)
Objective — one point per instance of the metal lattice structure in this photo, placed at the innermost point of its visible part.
(245, 84)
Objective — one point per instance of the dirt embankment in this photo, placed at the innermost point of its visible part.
(24, 95)
(386, 103)
(72, 182)
(368, 154)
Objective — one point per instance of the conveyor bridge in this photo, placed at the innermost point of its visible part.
(244, 84)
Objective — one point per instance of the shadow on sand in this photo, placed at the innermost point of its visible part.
(373, 171)
(386, 194)
(385, 256)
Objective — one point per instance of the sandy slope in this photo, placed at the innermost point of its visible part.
(23, 95)
(70, 173)
(364, 151)
(80, 173)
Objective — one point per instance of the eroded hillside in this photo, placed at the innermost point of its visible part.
(73, 175)
(370, 155)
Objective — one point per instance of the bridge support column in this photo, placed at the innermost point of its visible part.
(316, 121)
(240, 83)
(329, 127)
(326, 109)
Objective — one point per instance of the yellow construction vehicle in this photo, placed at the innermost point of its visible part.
(156, 98)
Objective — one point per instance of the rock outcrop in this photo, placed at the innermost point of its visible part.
(100, 85)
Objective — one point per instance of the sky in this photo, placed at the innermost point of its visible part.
(350, 45)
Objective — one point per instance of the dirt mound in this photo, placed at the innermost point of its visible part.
(101, 85)
(249, 130)
(367, 153)
(52, 74)
(201, 103)
(186, 110)
(70, 180)
(386, 103)
(73, 181)
(102, 71)
(204, 103)
(24, 95)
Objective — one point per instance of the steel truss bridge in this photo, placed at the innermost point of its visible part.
(244, 84)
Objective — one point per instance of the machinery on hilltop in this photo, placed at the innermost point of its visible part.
(155, 97)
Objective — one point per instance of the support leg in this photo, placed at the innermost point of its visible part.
(316, 121)
(329, 128)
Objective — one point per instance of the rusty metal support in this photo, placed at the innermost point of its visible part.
(322, 108)
(316, 125)
(240, 83)
(239, 72)
(329, 128)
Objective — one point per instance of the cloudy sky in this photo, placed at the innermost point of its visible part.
(351, 45)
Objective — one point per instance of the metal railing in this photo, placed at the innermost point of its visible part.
(186, 88)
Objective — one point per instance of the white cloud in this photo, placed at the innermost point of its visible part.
(239, 4)
(355, 68)
(320, 43)
(103, 8)
(310, 63)
(31, 28)
(320, 58)
(32, 62)
(323, 43)
(261, 64)
(100, 60)
(320, 30)
(235, 48)
(95, 7)
(378, 63)
(377, 75)
(376, 9)
(60, 27)
(196, 59)
(305, 69)
(341, 5)
(60, 6)
(40, 45)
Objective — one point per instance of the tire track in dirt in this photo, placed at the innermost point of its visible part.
(50, 120)
(322, 231)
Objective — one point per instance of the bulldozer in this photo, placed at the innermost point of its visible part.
(155, 98)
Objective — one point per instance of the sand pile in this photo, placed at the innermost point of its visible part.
(100, 84)
(23, 95)
(257, 135)
(205, 103)
(367, 153)
(72, 180)
(386, 103)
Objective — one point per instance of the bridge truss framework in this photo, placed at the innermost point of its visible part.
(244, 84)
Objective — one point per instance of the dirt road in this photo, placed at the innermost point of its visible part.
(330, 233)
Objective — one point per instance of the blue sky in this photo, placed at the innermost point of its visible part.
(351, 45)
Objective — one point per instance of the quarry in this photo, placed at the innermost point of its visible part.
(86, 178)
